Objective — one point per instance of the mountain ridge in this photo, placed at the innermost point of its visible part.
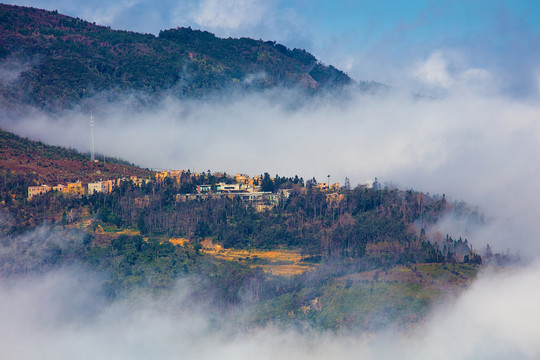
(54, 61)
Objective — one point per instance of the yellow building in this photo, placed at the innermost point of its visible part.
(37, 190)
(138, 181)
(60, 188)
(162, 175)
(321, 186)
(334, 187)
(177, 174)
(256, 180)
(324, 186)
(110, 185)
(242, 179)
(76, 188)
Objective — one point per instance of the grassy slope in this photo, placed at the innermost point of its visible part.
(55, 164)
(400, 296)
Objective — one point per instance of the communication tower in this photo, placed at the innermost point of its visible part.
(92, 154)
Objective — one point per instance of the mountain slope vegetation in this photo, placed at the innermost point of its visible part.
(46, 164)
(53, 61)
(369, 254)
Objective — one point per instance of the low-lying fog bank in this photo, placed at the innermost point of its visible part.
(60, 315)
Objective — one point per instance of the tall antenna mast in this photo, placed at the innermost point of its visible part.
(92, 154)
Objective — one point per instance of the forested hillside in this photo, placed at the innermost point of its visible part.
(53, 61)
(372, 241)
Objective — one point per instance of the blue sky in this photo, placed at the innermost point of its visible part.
(386, 41)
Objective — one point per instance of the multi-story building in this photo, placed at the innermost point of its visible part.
(256, 180)
(76, 188)
(162, 175)
(177, 174)
(60, 188)
(230, 187)
(138, 181)
(334, 187)
(241, 178)
(324, 186)
(97, 187)
(37, 190)
(204, 188)
(110, 185)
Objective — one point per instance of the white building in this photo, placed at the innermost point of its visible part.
(230, 187)
(100, 187)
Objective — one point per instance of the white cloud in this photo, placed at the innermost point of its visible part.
(100, 11)
(444, 69)
(229, 14)
(61, 315)
(11, 70)
(497, 318)
(434, 71)
(257, 19)
(108, 13)
(470, 145)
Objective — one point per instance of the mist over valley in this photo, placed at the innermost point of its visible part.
(250, 200)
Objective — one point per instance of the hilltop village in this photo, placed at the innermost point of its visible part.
(262, 191)
(78, 188)
(147, 229)
(290, 245)
(217, 211)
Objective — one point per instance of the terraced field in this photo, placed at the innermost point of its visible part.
(276, 262)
